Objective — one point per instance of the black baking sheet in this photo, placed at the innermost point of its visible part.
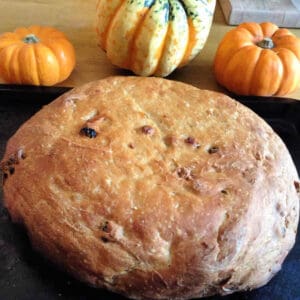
(25, 275)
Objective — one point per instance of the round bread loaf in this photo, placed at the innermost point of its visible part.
(154, 189)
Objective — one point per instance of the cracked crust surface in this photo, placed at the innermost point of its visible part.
(170, 192)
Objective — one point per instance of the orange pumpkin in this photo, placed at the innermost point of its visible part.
(36, 56)
(258, 59)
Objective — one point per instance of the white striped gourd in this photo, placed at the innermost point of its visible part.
(153, 37)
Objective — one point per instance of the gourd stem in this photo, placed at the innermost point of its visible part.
(266, 43)
(31, 39)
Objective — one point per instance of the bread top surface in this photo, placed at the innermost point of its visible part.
(153, 187)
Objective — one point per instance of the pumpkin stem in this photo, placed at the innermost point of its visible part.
(31, 39)
(266, 43)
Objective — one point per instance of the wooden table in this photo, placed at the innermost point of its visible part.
(77, 19)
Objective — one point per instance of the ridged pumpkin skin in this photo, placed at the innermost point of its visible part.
(153, 37)
(245, 67)
(35, 56)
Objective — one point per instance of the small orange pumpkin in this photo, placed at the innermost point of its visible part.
(258, 59)
(36, 56)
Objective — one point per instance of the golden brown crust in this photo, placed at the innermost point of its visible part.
(154, 189)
